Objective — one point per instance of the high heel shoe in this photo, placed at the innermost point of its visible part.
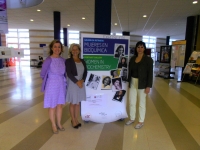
(76, 126)
(79, 124)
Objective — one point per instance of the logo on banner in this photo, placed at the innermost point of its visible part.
(87, 116)
(118, 114)
(103, 115)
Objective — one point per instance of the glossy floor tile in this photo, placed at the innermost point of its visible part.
(172, 119)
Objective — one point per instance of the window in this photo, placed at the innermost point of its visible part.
(73, 37)
(150, 42)
(171, 40)
(19, 38)
(119, 34)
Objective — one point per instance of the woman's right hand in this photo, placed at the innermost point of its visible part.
(80, 83)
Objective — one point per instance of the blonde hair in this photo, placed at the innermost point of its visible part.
(52, 44)
(71, 48)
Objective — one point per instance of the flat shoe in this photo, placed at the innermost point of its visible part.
(139, 125)
(130, 122)
(61, 129)
(79, 124)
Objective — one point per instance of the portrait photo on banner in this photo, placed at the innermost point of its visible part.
(93, 81)
(116, 84)
(119, 50)
(119, 95)
(106, 83)
(122, 62)
(124, 73)
(115, 73)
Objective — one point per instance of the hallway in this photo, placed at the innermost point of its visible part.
(172, 119)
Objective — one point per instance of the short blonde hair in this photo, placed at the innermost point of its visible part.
(51, 46)
(71, 48)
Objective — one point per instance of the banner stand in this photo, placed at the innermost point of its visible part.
(107, 60)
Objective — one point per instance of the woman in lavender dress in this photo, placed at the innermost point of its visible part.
(54, 84)
(76, 73)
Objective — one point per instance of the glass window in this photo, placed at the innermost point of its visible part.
(151, 45)
(62, 41)
(119, 34)
(15, 38)
(145, 37)
(152, 41)
(27, 57)
(73, 32)
(12, 30)
(23, 34)
(23, 30)
(152, 54)
(74, 36)
(24, 40)
(12, 40)
(73, 41)
(13, 45)
(61, 35)
(11, 34)
(24, 46)
(145, 40)
(27, 52)
(25, 63)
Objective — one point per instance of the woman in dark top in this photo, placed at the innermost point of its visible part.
(122, 62)
(140, 81)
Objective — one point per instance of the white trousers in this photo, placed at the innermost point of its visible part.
(134, 95)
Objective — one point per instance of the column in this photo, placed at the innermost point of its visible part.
(125, 33)
(65, 35)
(56, 20)
(167, 40)
(102, 19)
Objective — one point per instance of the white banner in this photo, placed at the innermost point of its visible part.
(106, 58)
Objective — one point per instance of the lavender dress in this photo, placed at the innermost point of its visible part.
(55, 89)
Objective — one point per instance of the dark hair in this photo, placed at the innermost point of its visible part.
(138, 44)
(123, 92)
(112, 72)
(124, 59)
(52, 44)
(107, 78)
(115, 79)
(120, 46)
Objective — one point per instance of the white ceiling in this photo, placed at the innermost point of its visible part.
(164, 17)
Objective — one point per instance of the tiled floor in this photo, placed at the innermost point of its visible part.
(172, 119)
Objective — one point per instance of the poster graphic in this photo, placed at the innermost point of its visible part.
(119, 50)
(3, 17)
(124, 74)
(93, 81)
(106, 83)
(122, 62)
(119, 95)
(106, 58)
(115, 73)
(165, 54)
(116, 84)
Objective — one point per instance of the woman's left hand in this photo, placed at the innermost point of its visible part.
(147, 90)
